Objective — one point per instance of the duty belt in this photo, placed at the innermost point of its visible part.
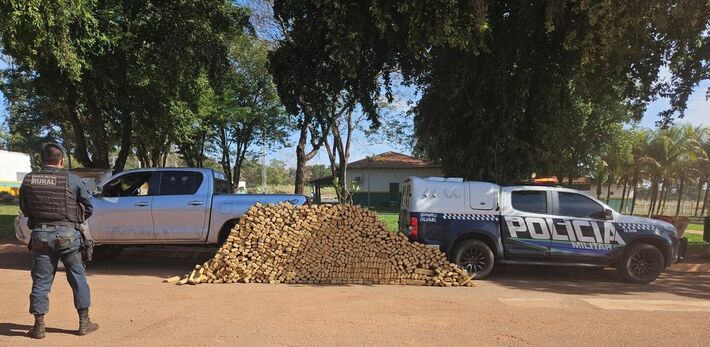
(56, 225)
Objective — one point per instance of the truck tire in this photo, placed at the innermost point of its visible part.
(225, 231)
(475, 257)
(642, 263)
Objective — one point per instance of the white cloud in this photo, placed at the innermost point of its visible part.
(698, 112)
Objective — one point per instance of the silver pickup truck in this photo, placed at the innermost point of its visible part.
(164, 206)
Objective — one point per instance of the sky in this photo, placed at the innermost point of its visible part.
(697, 113)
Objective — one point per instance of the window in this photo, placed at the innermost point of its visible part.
(578, 205)
(133, 184)
(533, 201)
(179, 182)
(221, 186)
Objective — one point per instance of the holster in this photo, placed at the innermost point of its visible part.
(87, 246)
(88, 250)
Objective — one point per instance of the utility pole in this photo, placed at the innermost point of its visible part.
(263, 170)
(369, 165)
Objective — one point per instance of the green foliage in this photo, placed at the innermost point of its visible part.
(114, 73)
(544, 82)
(7, 218)
(317, 171)
(551, 95)
(246, 112)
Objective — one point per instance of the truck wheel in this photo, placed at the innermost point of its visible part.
(225, 231)
(642, 263)
(475, 257)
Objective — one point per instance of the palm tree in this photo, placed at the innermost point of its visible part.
(703, 167)
(666, 154)
(685, 166)
(640, 141)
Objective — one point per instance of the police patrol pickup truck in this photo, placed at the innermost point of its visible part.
(478, 224)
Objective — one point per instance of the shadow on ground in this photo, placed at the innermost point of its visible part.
(141, 261)
(12, 329)
(170, 261)
(586, 281)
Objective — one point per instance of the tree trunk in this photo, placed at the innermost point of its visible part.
(608, 188)
(658, 200)
(97, 131)
(705, 200)
(664, 197)
(654, 192)
(701, 183)
(302, 157)
(241, 153)
(623, 195)
(635, 184)
(300, 168)
(126, 132)
(680, 195)
(599, 190)
(81, 152)
(224, 146)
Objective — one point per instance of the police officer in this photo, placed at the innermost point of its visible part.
(56, 203)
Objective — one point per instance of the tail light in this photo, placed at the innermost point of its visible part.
(413, 228)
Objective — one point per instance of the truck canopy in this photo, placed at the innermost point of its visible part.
(439, 195)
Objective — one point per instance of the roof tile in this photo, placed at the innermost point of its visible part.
(392, 160)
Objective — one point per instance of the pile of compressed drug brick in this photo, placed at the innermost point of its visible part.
(328, 244)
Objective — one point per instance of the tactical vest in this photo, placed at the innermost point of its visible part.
(48, 197)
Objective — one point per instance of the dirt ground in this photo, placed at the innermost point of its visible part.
(516, 306)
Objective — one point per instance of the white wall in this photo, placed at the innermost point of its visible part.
(381, 178)
(14, 166)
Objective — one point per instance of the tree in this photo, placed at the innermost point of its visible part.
(542, 71)
(248, 111)
(4, 140)
(686, 165)
(617, 155)
(499, 79)
(322, 69)
(703, 167)
(340, 128)
(99, 68)
(640, 139)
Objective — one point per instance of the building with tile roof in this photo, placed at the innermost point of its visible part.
(377, 180)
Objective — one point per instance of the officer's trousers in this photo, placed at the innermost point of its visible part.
(44, 268)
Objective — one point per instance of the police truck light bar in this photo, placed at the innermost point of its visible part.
(546, 180)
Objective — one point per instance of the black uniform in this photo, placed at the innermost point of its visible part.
(56, 203)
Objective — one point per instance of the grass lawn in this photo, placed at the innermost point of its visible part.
(7, 217)
(694, 226)
(696, 240)
(389, 216)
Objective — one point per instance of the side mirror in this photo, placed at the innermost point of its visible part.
(97, 193)
(608, 214)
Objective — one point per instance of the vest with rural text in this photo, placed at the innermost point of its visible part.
(49, 198)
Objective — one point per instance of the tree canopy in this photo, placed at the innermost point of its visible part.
(500, 79)
(113, 74)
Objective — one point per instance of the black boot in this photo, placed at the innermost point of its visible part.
(85, 325)
(37, 331)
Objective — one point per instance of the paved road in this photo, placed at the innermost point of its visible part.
(517, 306)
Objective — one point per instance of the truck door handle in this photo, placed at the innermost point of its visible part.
(142, 203)
(195, 203)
